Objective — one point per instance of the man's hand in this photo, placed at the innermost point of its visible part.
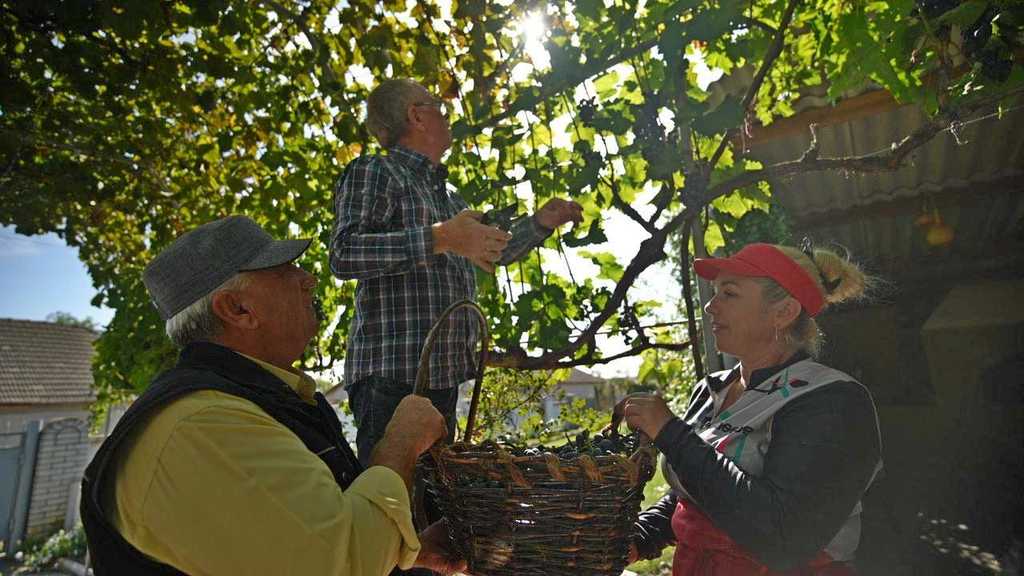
(435, 551)
(413, 429)
(466, 236)
(556, 212)
(416, 423)
(644, 412)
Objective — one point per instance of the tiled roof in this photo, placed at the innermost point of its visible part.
(45, 363)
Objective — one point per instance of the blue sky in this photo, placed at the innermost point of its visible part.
(40, 275)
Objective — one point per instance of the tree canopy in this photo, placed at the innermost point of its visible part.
(125, 124)
(68, 319)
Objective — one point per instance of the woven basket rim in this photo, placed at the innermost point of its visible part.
(492, 450)
(491, 459)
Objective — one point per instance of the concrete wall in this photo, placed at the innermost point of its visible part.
(13, 418)
(973, 340)
(943, 364)
(63, 449)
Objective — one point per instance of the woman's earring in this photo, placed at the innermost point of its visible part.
(776, 333)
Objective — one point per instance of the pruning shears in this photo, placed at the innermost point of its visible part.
(501, 218)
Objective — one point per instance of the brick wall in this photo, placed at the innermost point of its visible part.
(63, 449)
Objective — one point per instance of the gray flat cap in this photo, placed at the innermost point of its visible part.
(206, 257)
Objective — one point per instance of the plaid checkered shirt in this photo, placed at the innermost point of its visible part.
(384, 208)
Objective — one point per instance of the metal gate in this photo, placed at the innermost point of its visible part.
(17, 461)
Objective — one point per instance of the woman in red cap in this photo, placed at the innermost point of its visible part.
(770, 460)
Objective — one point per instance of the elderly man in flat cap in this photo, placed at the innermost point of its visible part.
(231, 462)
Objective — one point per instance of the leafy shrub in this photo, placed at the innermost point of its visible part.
(63, 544)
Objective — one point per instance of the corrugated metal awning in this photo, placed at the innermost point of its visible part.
(994, 151)
(977, 186)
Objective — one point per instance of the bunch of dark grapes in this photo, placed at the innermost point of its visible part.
(583, 444)
(935, 8)
(994, 65)
(629, 322)
(646, 128)
(978, 34)
(994, 55)
(587, 110)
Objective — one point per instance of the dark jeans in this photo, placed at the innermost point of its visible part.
(373, 401)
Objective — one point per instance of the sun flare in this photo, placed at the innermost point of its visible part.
(533, 30)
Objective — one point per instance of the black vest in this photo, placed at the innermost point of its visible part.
(205, 366)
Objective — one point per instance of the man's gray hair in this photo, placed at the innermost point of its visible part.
(387, 109)
(197, 322)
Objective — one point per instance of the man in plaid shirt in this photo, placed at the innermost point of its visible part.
(412, 243)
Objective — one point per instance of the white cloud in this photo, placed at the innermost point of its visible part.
(14, 245)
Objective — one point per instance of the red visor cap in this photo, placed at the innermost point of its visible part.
(767, 261)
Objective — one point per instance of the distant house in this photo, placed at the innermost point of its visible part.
(45, 393)
(598, 393)
(579, 385)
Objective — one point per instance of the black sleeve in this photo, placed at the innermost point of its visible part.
(654, 528)
(823, 452)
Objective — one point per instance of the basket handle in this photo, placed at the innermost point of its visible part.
(423, 371)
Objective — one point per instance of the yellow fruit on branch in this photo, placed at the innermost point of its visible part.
(939, 234)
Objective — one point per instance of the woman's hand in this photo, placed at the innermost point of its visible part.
(647, 413)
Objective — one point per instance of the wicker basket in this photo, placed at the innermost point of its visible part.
(538, 514)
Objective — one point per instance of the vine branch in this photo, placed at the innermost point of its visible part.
(778, 43)
(522, 362)
(652, 249)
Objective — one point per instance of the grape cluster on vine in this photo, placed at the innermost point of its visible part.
(935, 8)
(630, 322)
(978, 34)
(646, 128)
(992, 52)
(587, 110)
(583, 444)
(994, 65)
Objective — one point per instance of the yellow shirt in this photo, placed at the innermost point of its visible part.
(211, 484)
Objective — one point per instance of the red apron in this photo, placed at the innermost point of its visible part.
(704, 550)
